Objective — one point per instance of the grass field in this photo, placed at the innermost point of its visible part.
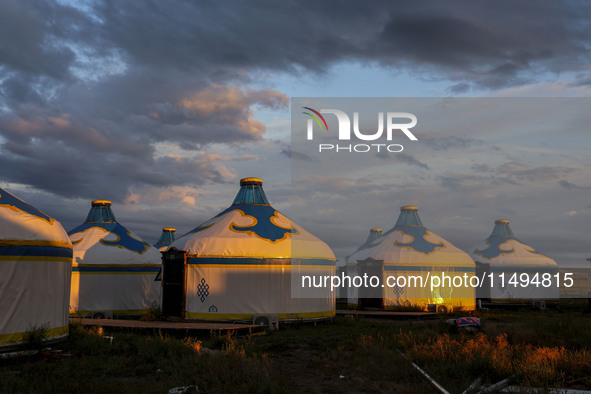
(539, 348)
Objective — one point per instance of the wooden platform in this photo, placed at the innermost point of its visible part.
(180, 326)
(387, 314)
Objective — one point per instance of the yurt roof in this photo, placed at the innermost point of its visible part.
(252, 228)
(409, 242)
(374, 233)
(20, 223)
(504, 249)
(103, 240)
(166, 238)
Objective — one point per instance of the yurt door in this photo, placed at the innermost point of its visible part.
(371, 297)
(173, 283)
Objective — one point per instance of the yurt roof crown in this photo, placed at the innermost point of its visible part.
(502, 229)
(374, 233)
(251, 192)
(168, 235)
(101, 212)
(409, 216)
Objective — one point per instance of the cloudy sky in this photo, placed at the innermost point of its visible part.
(162, 106)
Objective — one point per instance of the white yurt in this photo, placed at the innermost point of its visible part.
(410, 251)
(239, 264)
(166, 238)
(502, 253)
(36, 261)
(352, 292)
(114, 271)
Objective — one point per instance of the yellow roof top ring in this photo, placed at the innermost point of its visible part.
(409, 208)
(502, 221)
(168, 229)
(101, 202)
(376, 230)
(251, 181)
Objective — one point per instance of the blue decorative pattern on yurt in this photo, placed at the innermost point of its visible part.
(419, 243)
(203, 290)
(264, 227)
(125, 240)
(494, 247)
(409, 223)
(501, 234)
(493, 250)
(10, 200)
(35, 250)
(252, 201)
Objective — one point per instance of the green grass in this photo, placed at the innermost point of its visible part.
(347, 354)
(137, 364)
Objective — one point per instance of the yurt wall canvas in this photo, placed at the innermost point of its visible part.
(35, 261)
(114, 270)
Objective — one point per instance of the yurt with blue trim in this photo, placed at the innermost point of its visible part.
(114, 271)
(504, 256)
(36, 263)
(239, 264)
(166, 238)
(351, 266)
(407, 258)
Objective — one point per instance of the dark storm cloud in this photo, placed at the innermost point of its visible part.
(403, 158)
(69, 157)
(290, 153)
(27, 40)
(70, 173)
(87, 92)
(569, 185)
(583, 79)
(480, 167)
(566, 184)
(490, 44)
(483, 43)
